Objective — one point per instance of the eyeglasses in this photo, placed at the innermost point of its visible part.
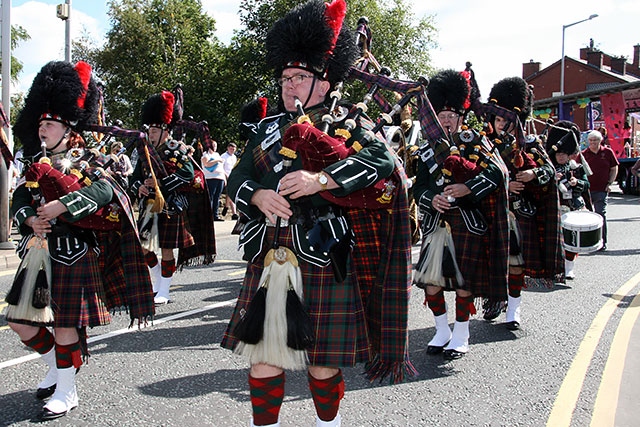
(294, 80)
(448, 116)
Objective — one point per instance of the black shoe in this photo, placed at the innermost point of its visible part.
(48, 415)
(224, 211)
(452, 354)
(603, 248)
(234, 217)
(491, 315)
(43, 393)
(512, 326)
(435, 349)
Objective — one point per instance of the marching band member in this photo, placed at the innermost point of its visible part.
(465, 210)
(536, 251)
(311, 52)
(572, 179)
(80, 250)
(165, 173)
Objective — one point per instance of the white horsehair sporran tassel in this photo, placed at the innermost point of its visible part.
(281, 272)
(429, 270)
(36, 260)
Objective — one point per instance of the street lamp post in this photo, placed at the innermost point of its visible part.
(564, 27)
(63, 11)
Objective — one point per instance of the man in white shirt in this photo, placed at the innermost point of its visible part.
(229, 160)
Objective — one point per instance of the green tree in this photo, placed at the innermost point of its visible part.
(18, 34)
(401, 41)
(154, 45)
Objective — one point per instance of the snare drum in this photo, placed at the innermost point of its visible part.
(582, 231)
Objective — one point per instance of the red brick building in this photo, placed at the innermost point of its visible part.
(595, 75)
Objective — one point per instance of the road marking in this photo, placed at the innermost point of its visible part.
(112, 334)
(604, 410)
(569, 391)
(218, 261)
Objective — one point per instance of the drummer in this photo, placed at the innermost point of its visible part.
(562, 143)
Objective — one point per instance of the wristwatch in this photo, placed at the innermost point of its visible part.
(323, 180)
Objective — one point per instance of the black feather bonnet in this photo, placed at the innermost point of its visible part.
(514, 94)
(312, 37)
(63, 92)
(450, 90)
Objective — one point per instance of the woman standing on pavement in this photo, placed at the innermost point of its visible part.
(212, 165)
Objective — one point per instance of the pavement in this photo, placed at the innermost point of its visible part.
(8, 258)
(618, 403)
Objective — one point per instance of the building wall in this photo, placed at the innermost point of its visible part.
(577, 78)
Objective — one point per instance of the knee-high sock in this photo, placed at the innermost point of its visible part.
(327, 395)
(42, 342)
(168, 267)
(151, 259)
(436, 303)
(266, 399)
(516, 282)
(68, 355)
(464, 308)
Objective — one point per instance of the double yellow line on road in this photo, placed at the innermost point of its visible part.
(605, 407)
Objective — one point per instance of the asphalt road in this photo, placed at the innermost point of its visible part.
(174, 373)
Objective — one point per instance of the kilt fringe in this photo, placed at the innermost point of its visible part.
(376, 369)
(543, 282)
(143, 321)
(492, 308)
(196, 261)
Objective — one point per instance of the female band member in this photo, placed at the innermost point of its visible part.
(75, 230)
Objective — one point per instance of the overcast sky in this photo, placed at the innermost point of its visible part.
(497, 36)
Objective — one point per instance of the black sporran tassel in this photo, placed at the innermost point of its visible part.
(13, 297)
(41, 293)
(299, 326)
(250, 328)
(448, 264)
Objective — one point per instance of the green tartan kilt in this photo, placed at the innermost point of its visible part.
(173, 231)
(336, 310)
(77, 293)
(472, 255)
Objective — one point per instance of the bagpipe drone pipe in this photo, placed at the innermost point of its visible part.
(317, 149)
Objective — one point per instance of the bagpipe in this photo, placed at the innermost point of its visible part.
(52, 178)
(318, 150)
(47, 179)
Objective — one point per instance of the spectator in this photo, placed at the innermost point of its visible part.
(604, 165)
(605, 137)
(229, 160)
(121, 167)
(215, 176)
(14, 174)
(626, 136)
